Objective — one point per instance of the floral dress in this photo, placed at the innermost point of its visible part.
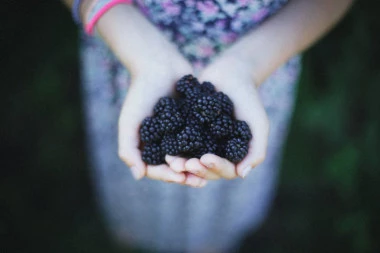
(172, 218)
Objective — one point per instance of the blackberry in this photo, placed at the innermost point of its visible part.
(199, 122)
(242, 131)
(207, 108)
(207, 88)
(152, 154)
(221, 148)
(150, 130)
(209, 146)
(189, 88)
(184, 106)
(186, 84)
(236, 149)
(165, 103)
(170, 120)
(226, 103)
(169, 145)
(222, 126)
(193, 95)
(193, 122)
(189, 140)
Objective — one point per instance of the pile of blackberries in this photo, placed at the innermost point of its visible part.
(198, 121)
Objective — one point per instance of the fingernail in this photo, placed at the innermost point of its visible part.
(246, 171)
(136, 173)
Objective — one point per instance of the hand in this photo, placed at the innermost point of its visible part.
(146, 88)
(155, 65)
(233, 77)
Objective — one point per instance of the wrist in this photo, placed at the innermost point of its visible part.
(135, 41)
(229, 69)
(243, 63)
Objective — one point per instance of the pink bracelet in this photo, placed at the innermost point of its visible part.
(99, 8)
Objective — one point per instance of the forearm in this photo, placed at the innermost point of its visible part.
(287, 33)
(134, 39)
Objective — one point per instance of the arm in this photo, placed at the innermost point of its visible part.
(121, 28)
(247, 63)
(154, 64)
(291, 31)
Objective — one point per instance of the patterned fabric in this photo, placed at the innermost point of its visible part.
(166, 217)
(202, 29)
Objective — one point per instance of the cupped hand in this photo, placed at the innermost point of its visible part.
(147, 87)
(234, 78)
(155, 65)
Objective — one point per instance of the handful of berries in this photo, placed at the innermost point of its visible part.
(198, 121)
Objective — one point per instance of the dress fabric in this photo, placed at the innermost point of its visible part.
(166, 217)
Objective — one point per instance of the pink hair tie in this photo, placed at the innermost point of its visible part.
(99, 8)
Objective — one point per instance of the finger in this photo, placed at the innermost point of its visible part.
(132, 157)
(195, 167)
(195, 181)
(219, 166)
(128, 150)
(164, 173)
(176, 163)
(257, 149)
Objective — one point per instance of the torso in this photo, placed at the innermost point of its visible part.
(201, 29)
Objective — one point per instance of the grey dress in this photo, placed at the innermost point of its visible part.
(166, 217)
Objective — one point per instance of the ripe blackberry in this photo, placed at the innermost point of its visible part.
(169, 145)
(222, 126)
(207, 108)
(150, 130)
(170, 120)
(207, 88)
(189, 140)
(221, 148)
(236, 149)
(165, 103)
(193, 95)
(242, 131)
(193, 122)
(186, 85)
(226, 103)
(152, 154)
(184, 106)
(198, 123)
(209, 146)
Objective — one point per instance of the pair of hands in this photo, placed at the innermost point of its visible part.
(155, 65)
(157, 80)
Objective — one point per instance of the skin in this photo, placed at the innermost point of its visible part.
(155, 65)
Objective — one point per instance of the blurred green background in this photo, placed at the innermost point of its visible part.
(328, 197)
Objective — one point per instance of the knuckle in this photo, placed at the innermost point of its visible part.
(124, 157)
(260, 159)
(199, 172)
(231, 176)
